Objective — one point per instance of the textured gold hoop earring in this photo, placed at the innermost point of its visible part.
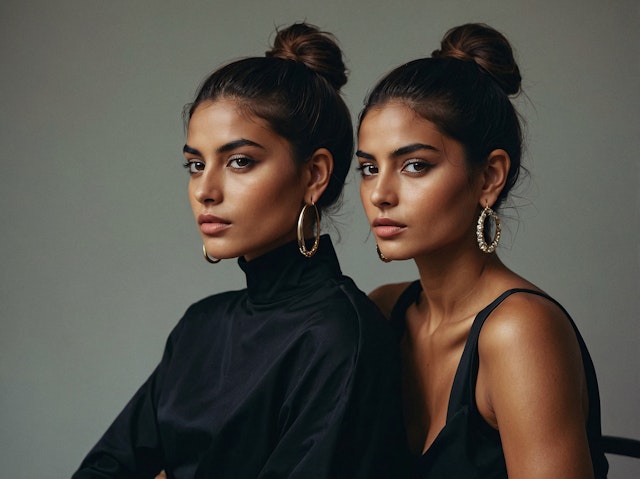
(308, 253)
(381, 256)
(207, 257)
(484, 247)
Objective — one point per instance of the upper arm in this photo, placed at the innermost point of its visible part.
(385, 296)
(531, 384)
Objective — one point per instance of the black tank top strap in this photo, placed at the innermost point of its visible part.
(463, 389)
(464, 383)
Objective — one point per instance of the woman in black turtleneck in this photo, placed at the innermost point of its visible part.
(296, 375)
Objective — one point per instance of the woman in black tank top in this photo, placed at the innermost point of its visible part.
(497, 379)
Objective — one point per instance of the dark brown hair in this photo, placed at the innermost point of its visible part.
(464, 90)
(295, 88)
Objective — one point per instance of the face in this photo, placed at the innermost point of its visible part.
(416, 188)
(245, 188)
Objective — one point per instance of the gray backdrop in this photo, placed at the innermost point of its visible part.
(99, 252)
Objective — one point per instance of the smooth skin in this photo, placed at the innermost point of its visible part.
(245, 188)
(423, 201)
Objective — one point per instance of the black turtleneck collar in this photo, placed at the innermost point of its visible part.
(284, 272)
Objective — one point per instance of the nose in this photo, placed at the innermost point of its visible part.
(208, 187)
(383, 190)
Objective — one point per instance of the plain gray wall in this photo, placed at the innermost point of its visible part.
(99, 252)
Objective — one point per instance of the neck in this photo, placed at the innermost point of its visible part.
(452, 283)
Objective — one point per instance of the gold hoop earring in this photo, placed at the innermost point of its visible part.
(482, 244)
(382, 257)
(301, 244)
(207, 257)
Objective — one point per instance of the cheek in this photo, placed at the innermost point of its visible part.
(363, 194)
(446, 189)
(367, 185)
(191, 194)
(365, 199)
(273, 192)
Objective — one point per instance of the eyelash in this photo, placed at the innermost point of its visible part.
(199, 165)
(235, 158)
(418, 165)
(189, 164)
(363, 169)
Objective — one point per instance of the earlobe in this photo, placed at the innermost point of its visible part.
(495, 176)
(320, 168)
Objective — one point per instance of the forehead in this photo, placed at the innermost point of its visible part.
(218, 122)
(395, 123)
(225, 113)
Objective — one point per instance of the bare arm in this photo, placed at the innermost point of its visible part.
(531, 386)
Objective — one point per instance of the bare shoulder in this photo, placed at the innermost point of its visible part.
(528, 344)
(526, 319)
(531, 386)
(385, 296)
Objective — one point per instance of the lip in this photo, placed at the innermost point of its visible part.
(387, 228)
(212, 225)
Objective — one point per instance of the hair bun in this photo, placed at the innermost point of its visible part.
(488, 48)
(318, 50)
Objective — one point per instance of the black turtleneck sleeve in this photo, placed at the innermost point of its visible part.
(296, 376)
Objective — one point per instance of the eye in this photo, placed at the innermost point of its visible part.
(240, 162)
(367, 169)
(415, 166)
(194, 166)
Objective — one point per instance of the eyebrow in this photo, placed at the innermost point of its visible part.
(364, 155)
(400, 151)
(232, 145)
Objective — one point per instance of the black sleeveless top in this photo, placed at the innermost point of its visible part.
(467, 446)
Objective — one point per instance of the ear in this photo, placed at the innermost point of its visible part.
(494, 176)
(318, 172)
